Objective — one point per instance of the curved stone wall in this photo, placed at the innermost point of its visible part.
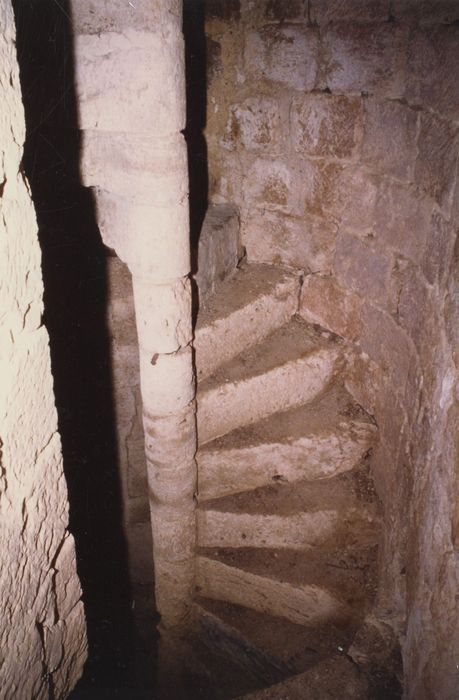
(334, 127)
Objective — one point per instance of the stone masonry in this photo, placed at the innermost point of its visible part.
(334, 127)
(43, 631)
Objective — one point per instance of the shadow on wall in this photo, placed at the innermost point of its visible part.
(74, 272)
(196, 108)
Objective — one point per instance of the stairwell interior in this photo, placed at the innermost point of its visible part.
(323, 164)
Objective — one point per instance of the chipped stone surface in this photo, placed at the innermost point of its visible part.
(307, 243)
(395, 155)
(254, 125)
(432, 64)
(325, 125)
(363, 268)
(286, 55)
(324, 302)
(117, 67)
(365, 58)
(437, 161)
(324, 11)
(43, 640)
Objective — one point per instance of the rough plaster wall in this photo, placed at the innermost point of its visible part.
(334, 126)
(43, 633)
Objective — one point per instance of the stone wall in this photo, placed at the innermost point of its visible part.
(43, 632)
(334, 127)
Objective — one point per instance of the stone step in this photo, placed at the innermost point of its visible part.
(326, 437)
(246, 308)
(330, 679)
(330, 513)
(229, 661)
(291, 647)
(290, 367)
(307, 588)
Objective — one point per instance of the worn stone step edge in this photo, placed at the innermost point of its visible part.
(304, 605)
(226, 329)
(227, 642)
(231, 405)
(223, 472)
(299, 531)
(336, 677)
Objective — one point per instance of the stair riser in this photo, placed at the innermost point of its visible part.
(304, 605)
(236, 404)
(225, 338)
(225, 472)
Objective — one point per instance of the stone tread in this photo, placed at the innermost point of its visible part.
(347, 574)
(331, 409)
(244, 289)
(243, 310)
(330, 679)
(294, 340)
(292, 366)
(349, 490)
(339, 511)
(317, 440)
(293, 646)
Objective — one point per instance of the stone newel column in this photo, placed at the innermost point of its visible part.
(131, 97)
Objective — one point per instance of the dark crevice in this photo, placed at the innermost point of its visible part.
(75, 299)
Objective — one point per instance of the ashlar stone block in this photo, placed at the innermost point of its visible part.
(433, 58)
(364, 269)
(284, 54)
(389, 141)
(254, 125)
(306, 243)
(325, 302)
(324, 11)
(438, 158)
(365, 58)
(273, 184)
(402, 219)
(325, 125)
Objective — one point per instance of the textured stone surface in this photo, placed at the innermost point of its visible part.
(315, 441)
(303, 604)
(395, 155)
(242, 312)
(326, 680)
(437, 160)
(402, 219)
(432, 62)
(43, 635)
(323, 11)
(325, 125)
(127, 79)
(295, 366)
(270, 184)
(254, 125)
(363, 268)
(307, 243)
(365, 58)
(324, 302)
(219, 248)
(286, 55)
